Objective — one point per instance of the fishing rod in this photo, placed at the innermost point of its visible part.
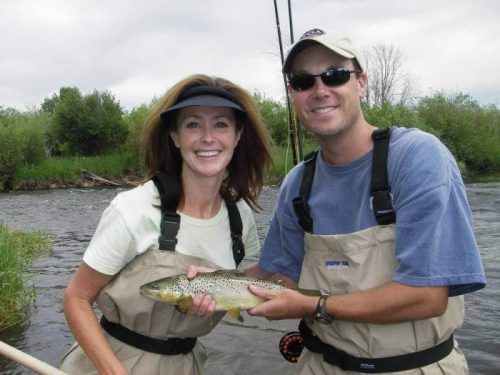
(28, 361)
(292, 123)
(296, 126)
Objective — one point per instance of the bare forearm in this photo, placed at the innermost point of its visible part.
(390, 303)
(86, 330)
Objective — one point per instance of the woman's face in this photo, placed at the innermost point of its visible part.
(206, 138)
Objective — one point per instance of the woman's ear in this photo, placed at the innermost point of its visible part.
(175, 138)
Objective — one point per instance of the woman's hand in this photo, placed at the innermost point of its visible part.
(192, 271)
(203, 304)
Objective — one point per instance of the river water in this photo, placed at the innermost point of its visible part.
(251, 347)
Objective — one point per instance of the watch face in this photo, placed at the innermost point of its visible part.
(323, 319)
(321, 315)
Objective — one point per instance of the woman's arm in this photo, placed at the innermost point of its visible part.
(78, 300)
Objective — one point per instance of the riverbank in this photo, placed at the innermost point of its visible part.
(91, 180)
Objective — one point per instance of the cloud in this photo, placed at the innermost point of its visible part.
(137, 50)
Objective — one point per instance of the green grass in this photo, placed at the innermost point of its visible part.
(67, 170)
(17, 249)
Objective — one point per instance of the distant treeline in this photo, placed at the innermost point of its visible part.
(95, 133)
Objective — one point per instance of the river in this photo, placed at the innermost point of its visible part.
(251, 347)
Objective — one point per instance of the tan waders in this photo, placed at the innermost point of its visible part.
(340, 264)
(148, 319)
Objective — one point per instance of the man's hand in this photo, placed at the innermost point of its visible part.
(285, 304)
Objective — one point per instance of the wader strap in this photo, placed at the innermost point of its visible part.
(300, 203)
(236, 232)
(381, 200)
(171, 346)
(348, 362)
(170, 191)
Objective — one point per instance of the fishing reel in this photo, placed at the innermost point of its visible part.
(291, 346)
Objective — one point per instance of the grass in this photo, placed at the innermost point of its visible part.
(63, 171)
(17, 249)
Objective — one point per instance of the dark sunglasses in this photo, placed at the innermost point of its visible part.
(331, 77)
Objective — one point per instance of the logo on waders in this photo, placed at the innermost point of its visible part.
(337, 264)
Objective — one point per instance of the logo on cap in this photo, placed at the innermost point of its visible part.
(312, 34)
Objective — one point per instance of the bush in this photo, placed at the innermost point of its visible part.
(275, 115)
(135, 124)
(470, 131)
(86, 125)
(22, 141)
(392, 115)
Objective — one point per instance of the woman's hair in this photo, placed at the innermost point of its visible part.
(252, 155)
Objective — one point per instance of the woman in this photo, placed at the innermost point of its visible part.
(205, 137)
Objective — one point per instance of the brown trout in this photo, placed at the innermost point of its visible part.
(229, 289)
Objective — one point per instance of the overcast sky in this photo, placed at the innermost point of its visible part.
(137, 49)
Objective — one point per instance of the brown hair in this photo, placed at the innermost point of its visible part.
(251, 158)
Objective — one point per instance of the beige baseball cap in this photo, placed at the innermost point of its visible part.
(333, 40)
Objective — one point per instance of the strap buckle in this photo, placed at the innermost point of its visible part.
(170, 224)
(382, 204)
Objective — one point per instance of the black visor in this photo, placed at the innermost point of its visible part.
(203, 96)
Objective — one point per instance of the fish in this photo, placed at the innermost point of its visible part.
(228, 288)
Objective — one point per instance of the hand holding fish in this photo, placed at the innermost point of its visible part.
(282, 304)
(227, 289)
(203, 304)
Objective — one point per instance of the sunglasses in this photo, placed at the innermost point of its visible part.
(332, 77)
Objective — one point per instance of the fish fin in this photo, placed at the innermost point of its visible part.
(235, 313)
(229, 272)
(184, 303)
(309, 292)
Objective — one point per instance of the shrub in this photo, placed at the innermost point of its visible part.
(86, 125)
(22, 141)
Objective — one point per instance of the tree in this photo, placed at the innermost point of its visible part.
(274, 114)
(85, 125)
(387, 80)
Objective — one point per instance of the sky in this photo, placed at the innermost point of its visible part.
(137, 49)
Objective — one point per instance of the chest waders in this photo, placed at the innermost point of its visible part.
(169, 189)
(313, 334)
(151, 337)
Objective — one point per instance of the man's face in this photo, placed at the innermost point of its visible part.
(327, 110)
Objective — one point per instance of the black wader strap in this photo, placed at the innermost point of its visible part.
(381, 200)
(171, 346)
(347, 362)
(300, 203)
(170, 191)
(236, 232)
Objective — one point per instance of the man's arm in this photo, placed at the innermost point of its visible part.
(389, 303)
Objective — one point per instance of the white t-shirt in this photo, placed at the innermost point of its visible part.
(130, 225)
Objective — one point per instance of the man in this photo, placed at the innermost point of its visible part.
(391, 249)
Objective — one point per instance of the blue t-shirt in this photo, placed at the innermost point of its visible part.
(435, 243)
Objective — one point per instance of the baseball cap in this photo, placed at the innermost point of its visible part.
(203, 96)
(333, 40)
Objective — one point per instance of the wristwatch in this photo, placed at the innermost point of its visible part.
(320, 315)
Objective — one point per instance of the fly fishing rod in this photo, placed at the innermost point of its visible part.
(292, 123)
